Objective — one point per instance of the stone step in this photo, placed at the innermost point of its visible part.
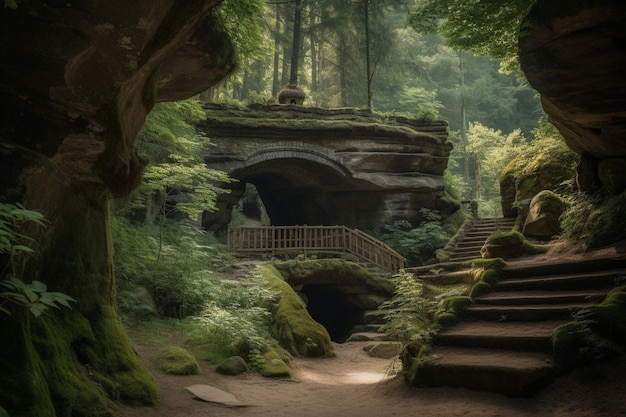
(541, 297)
(463, 258)
(532, 336)
(507, 372)
(520, 269)
(467, 249)
(525, 313)
(571, 281)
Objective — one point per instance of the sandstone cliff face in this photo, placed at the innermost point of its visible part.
(76, 82)
(573, 54)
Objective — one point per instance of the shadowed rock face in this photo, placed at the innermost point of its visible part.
(573, 54)
(77, 80)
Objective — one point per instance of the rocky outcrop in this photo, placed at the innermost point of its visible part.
(543, 215)
(573, 54)
(331, 167)
(76, 82)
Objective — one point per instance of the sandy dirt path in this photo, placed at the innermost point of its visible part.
(356, 385)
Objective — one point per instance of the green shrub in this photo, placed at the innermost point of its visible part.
(594, 221)
(417, 245)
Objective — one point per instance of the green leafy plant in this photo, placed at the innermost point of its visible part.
(409, 314)
(34, 296)
(418, 244)
(16, 246)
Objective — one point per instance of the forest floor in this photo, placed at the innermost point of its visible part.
(353, 384)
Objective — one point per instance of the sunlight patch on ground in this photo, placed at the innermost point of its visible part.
(352, 378)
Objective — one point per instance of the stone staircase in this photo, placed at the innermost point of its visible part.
(503, 343)
(469, 247)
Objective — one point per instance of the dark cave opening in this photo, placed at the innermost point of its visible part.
(329, 307)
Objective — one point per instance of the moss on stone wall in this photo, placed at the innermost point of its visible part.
(293, 325)
(333, 271)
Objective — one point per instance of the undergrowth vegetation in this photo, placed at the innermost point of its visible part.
(412, 313)
(186, 291)
(416, 244)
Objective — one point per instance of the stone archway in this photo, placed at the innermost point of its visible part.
(331, 167)
(331, 308)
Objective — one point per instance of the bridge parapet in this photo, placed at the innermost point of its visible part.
(277, 239)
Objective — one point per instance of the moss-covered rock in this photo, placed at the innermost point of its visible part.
(176, 360)
(609, 317)
(274, 366)
(507, 245)
(293, 325)
(543, 215)
(233, 365)
(599, 331)
(335, 272)
(480, 288)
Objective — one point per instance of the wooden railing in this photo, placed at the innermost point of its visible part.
(276, 239)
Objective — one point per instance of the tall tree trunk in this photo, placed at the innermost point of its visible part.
(314, 52)
(275, 74)
(368, 58)
(343, 84)
(295, 46)
(466, 156)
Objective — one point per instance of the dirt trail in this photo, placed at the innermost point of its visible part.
(355, 385)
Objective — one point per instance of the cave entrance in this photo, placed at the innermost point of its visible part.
(331, 308)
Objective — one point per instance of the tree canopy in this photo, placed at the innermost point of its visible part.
(486, 27)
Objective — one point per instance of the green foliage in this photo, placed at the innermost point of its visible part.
(33, 296)
(180, 282)
(593, 220)
(492, 151)
(485, 27)
(417, 311)
(13, 217)
(419, 244)
(177, 179)
(176, 360)
(409, 315)
(11, 4)
(242, 19)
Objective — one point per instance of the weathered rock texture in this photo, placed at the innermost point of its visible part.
(573, 54)
(76, 82)
(314, 166)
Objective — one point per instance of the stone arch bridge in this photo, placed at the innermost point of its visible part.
(327, 167)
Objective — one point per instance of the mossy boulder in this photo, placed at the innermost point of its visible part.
(274, 365)
(543, 216)
(233, 365)
(293, 326)
(508, 245)
(176, 360)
